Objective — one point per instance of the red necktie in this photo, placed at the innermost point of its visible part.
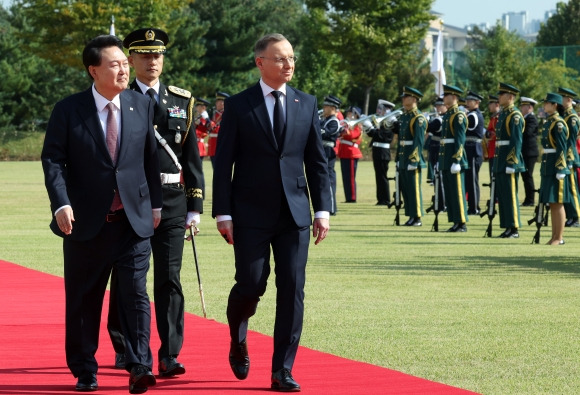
(111, 138)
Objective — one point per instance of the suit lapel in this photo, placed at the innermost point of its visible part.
(89, 115)
(292, 110)
(127, 121)
(258, 104)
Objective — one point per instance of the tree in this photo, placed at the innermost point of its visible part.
(561, 28)
(372, 37)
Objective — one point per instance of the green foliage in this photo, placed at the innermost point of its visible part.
(561, 28)
(502, 56)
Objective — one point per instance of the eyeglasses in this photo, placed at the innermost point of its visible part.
(289, 59)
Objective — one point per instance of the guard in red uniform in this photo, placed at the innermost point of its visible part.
(216, 118)
(203, 125)
(349, 154)
(493, 107)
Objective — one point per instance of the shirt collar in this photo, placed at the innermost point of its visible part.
(266, 90)
(102, 102)
(144, 88)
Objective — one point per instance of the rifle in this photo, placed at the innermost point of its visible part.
(540, 218)
(436, 206)
(490, 210)
(396, 196)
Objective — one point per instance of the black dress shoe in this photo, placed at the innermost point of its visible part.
(382, 204)
(169, 366)
(140, 379)
(240, 360)
(119, 361)
(87, 382)
(510, 233)
(572, 223)
(528, 204)
(414, 222)
(282, 381)
(458, 227)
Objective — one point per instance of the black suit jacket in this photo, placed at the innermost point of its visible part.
(79, 171)
(262, 170)
(530, 136)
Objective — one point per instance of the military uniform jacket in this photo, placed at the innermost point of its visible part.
(213, 133)
(452, 149)
(330, 130)
(381, 136)
(554, 143)
(173, 117)
(474, 134)
(508, 141)
(530, 138)
(573, 123)
(412, 129)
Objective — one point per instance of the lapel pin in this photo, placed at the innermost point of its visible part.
(131, 108)
(296, 100)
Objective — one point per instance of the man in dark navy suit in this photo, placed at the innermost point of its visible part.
(270, 133)
(102, 176)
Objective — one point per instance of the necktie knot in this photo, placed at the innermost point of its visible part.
(151, 93)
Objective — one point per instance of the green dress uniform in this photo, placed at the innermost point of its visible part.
(508, 153)
(412, 127)
(554, 143)
(451, 151)
(573, 161)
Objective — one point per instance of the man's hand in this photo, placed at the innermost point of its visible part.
(156, 218)
(64, 220)
(320, 229)
(226, 229)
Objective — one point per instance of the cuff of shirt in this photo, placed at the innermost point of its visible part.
(60, 208)
(322, 214)
(220, 218)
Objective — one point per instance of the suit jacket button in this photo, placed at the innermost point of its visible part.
(281, 156)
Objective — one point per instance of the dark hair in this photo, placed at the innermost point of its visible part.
(560, 108)
(92, 52)
(263, 42)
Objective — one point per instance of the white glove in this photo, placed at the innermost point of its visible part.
(411, 167)
(570, 167)
(205, 115)
(560, 176)
(509, 170)
(455, 168)
(192, 218)
(367, 124)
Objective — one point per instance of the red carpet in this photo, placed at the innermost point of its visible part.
(33, 361)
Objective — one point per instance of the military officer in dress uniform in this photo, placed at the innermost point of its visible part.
(216, 118)
(554, 189)
(508, 161)
(530, 150)
(182, 177)
(349, 153)
(573, 123)
(412, 127)
(473, 148)
(434, 136)
(330, 131)
(453, 160)
(381, 151)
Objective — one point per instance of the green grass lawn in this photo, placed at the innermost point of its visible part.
(490, 315)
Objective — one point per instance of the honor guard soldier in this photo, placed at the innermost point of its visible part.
(573, 123)
(530, 150)
(203, 125)
(554, 171)
(349, 153)
(473, 148)
(412, 127)
(381, 151)
(216, 118)
(330, 131)
(434, 137)
(508, 161)
(493, 108)
(453, 160)
(181, 178)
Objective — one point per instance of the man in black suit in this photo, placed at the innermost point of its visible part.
(270, 132)
(102, 176)
(182, 179)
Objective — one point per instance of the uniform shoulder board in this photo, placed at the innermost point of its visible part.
(179, 91)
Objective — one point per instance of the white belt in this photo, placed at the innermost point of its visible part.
(213, 135)
(381, 145)
(167, 178)
(436, 138)
(328, 143)
(200, 140)
(473, 139)
(549, 150)
(499, 143)
(447, 141)
(348, 142)
(403, 143)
